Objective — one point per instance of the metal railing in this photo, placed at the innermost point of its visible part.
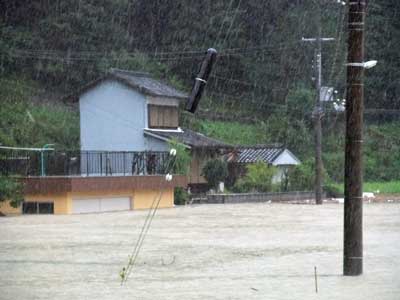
(83, 163)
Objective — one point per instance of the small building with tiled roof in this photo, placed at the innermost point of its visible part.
(271, 154)
(275, 155)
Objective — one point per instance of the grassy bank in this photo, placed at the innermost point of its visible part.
(388, 187)
(26, 123)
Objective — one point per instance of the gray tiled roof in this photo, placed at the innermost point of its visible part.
(142, 82)
(145, 84)
(189, 138)
(254, 154)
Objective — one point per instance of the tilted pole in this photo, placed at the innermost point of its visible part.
(201, 80)
(353, 242)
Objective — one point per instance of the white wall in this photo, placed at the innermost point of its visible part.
(279, 175)
(112, 118)
(286, 158)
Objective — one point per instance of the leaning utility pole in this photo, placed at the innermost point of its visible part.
(353, 246)
(318, 113)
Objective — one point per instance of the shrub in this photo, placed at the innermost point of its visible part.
(215, 171)
(301, 177)
(181, 196)
(333, 190)
(258, 178)
(182, 158)
(11, 189)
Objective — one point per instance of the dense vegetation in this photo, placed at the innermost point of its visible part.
(261, 90)
(26, 123)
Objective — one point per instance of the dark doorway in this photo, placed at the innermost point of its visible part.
(38, 208)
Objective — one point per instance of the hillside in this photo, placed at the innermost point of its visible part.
(260, 91)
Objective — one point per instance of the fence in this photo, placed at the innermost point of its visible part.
(83, 163)
(256, 198)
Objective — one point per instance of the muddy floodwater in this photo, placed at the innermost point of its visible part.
(238, 251)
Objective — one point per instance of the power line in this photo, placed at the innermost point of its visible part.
(94, 55)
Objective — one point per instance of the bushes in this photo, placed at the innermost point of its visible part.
(181, 196)
(258, 178)
(215, 171)
(25, 123)
(302, 177)
(11, 189)
(182, 158)
(334, 190)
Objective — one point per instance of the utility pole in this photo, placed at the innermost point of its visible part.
(353, 243)
(317, 112)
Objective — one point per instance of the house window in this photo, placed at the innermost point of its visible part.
(163, 116)
(38, 207)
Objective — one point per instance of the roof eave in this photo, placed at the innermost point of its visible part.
(162, 138)
(74, 97)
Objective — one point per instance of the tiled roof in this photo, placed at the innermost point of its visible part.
(145, 84)
(255, 154)
(141, 82)
(188, 137)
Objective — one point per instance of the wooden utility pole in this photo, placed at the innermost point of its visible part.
(317, 116)
(353, 244)
(318, 113)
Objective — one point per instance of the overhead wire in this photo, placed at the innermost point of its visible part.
(126, 271)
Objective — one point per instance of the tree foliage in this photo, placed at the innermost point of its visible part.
(182, 159)
(64, 43)
(27, 124)
(263, 72)
(215, 171)
(11, 190)
(258, 178)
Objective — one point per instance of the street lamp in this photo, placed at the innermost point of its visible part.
(366, 65)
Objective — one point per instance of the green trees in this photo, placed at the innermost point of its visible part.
(11, 190)
(182, 160)
(65, 43)
(25, 124)
(215, 171)
(258, 178)
(263, 71)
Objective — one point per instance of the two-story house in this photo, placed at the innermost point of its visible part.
(131, 111)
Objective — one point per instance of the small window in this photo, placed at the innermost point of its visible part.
(163, 116)
(29, 207)
(46, 208)
(38, 207)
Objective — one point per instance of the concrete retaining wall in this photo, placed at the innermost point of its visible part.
(303, 197)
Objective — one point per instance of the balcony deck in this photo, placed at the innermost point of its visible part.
(84, 163)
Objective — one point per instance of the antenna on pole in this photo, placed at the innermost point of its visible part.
(201, 80)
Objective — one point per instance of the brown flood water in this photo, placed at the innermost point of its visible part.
(238, 251)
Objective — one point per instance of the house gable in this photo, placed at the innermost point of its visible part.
(285, 158)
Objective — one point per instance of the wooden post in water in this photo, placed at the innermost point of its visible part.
(353, 241)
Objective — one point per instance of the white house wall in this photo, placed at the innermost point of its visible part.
(280, 174)
(112, 118)
(286, 158)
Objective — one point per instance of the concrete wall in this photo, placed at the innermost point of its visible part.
(144, 198)
(257, 197)
(112, 118)
(62, 203)
(140, 199)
